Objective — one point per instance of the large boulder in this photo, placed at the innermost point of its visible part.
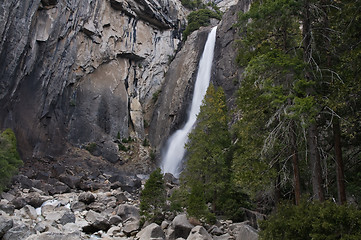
(5, 225)
(245, 232)
(55, 236)
(19, 232)
(199, 233)
(126, 211)
(86, 197)
(182, 227)
(151, 232)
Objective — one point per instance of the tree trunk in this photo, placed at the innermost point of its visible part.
(314, 156)
(339, 162)
(296, 171)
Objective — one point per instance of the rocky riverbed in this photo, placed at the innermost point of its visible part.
(101, 208)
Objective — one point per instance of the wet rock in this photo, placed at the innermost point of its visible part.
(86, 197)
(199, 233)
(5, 225)
(152, 231)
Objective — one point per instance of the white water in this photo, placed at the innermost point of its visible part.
(175, 145)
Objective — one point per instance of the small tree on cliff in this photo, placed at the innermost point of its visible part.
(9, 157)
(152, 197)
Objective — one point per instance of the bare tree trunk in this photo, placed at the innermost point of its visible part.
(296, 171)
(316, 172)
(339, 162)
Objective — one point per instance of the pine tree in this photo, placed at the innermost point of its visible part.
(207, 170)
(9, 157)
(153, 197)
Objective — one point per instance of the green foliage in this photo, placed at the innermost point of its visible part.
(118, 135)
(122, 147)
(127, 140)
(91, 147)
(153, 198)
(192, 4)
(316, 221)
(198, 19)
(9, 157)
(207, 174)
(146, 142)
(156, 96)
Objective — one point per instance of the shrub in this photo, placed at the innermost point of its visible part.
(153, 198)
(91, 147)
(199, 18)
(313, 220)
(122, 147)
(146, 142)
(9, 157)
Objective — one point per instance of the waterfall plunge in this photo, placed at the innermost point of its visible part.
(175, 145)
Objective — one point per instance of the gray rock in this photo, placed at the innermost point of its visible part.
(7, 208)
(7, 196)
(31, 212)
(126, 211)
(40, 227)
(55, 236)
(19, 232)
(225, 236)
(5, 225)
(97, 221)
(86, 197)
(214, 230)
(72, 181)
(19, 202)
(181, 226)
(130, 226)
(246, 232)
(152, 231)
(68, 217)
(77, 206)
(115, 220)
(199, 233)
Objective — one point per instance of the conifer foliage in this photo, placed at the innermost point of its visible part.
(153, 197)
(9, 157)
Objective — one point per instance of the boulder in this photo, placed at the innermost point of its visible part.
(126, 211)
(115, 220)
(19, 232)
(31, 212)
(246, 232)
(199, 233)
(214, 230)
(72, 181)
(152, 231)
(77, 206)
(68, 217)
(130, 226)
(86, 197)
(55, 236)
(181, 226)
(7, 208)
(19, 202)
(223, 237)
(5, 225)
(97, 221)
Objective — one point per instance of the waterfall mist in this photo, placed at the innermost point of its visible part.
(175, 147)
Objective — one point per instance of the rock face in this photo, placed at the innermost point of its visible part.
(226, 72)
(177, 91)
(83, 71)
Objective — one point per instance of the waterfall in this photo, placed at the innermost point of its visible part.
(175, 147)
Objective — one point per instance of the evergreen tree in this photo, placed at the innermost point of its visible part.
(153, 197)
(9, 157)
(207, 170)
